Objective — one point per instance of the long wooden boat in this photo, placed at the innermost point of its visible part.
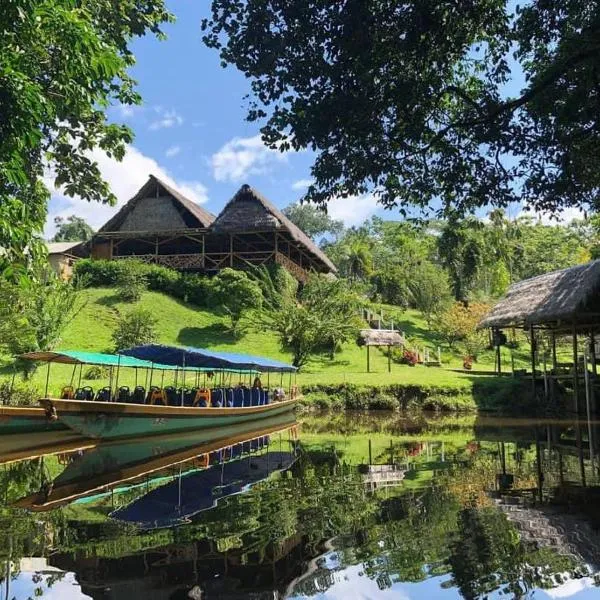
(26, 419)
(112, 420)
(114, 463)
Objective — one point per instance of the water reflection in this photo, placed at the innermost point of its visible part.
(348, 506)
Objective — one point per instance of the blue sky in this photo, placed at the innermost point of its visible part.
(191, 130)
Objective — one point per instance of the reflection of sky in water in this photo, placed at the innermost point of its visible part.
(352, 584)
(67, 588)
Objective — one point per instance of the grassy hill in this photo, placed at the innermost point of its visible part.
(185, 324)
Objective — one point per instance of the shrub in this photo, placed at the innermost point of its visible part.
(236, 294)
(135, 327)
(132, 280)
(96, 372)
(98, 272)
(409, 357)
(194, 288)
(162, 279)
(18, 394)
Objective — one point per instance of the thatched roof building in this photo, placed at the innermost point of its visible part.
(161, 225)
(561, 299)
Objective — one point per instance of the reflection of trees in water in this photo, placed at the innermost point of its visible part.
(396, 535)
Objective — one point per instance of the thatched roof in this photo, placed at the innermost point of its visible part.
(571, 296)
(249, 211)
(191, 214)
(381, 337)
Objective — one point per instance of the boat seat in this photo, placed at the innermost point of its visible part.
(104, 395)
(267, 398)
(67, 393)
(170, 395)
(156, 396)
(256, 396)
(238, 397)
(229, 397)
(124, 395)
(247, 397)
(201, 398)
(217, 398)
(139, 394)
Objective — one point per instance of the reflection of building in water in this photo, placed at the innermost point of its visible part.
(569, 534)
(378, 476)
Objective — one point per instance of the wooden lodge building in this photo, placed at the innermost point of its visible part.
(160, 225)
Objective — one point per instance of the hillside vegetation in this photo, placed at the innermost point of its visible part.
(185, 324)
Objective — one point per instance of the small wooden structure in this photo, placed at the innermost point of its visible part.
(63, 255)
(561, 303)
(380, 337)
(160, 225)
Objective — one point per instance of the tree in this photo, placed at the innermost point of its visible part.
(33, 317)
(62, 63)
(136, 327)
(313, 221)
(236, 294)
(409, 99)
(429, 290)
(459, 323)
(72, 229)
(132, 280)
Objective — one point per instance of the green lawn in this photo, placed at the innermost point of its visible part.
(184, 324)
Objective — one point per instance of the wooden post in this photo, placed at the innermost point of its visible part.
(554, 361)
(498, 358)
(368, 359)
(389, 359)
(588, 407)
(231, 250)
(370, 453)
(575, 371)
(532, 335)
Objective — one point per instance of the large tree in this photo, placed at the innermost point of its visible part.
(72, 229)
(62, 63)
(426, 100)
(314, 221)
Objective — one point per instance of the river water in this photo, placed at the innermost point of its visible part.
(334, 506)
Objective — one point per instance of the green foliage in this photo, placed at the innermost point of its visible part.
(61, 66)
(131, 281)
(324, 318)
(189, 287)
(72, 229)
(95, 372)
(276, 284)
(458, 323)
(135, 327)
(16, 393)
(312, 220)
(33, 317)
(439, 126)
(235, 293)
(429, 290)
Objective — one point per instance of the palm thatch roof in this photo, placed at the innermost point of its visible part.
(250, 211)
(70, 248)
(568, 296)
(381, 337)
(192, 214)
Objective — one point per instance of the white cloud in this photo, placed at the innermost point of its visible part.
(168, 118)
(172, 151)
(570, 588)
(353, 210)
(125, 179)
(301, 184)
(241, 157)
(128, 111)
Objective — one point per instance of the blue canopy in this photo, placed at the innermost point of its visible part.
(178, 501)
(206, 359)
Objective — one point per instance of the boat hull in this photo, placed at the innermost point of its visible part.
(102, 420)
(26, 419)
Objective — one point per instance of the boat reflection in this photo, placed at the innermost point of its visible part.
(144, 462)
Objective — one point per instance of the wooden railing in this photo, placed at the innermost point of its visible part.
(296, 270)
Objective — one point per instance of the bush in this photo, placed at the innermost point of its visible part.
(132, 281)
(96, 372)
(98, 272)
(18, 394)
(134, 328)
(194, 288)
(162, 279)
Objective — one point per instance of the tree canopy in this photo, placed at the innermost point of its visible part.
(420, 101)
(62, 63)
(313, 221)
(72, 229)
